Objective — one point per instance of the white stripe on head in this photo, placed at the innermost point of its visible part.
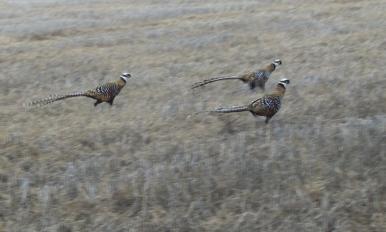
(284, 82)
(277, 62)
(125, 76)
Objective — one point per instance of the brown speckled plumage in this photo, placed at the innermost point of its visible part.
(253, 79)
(266, 106)
(103, 93)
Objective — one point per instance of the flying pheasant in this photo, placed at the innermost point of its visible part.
(103, 93)
(253, 79)
(266, 106)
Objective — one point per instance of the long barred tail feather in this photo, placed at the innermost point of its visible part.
(54, 98)
(204, 82)
(231, 109)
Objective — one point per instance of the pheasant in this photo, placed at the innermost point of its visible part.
(266, 106)
(103, 93)
(253, 79)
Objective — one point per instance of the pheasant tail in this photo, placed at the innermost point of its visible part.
(204, 82)
(54, 98)
(231, 109)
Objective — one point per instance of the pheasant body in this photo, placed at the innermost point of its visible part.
(253, 79)
(106, 92)
(103, 93)
(266, 106)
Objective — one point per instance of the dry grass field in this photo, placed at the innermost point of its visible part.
(155, 161)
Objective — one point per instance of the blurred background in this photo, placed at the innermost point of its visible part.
(154, 161)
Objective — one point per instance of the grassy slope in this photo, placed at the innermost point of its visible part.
(150, 163)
